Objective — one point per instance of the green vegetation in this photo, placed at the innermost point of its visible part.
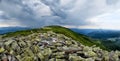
(61, 30)
(111, 45)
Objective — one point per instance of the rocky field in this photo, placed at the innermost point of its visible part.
(50, 46)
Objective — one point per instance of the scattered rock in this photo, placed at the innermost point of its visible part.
(50, 46)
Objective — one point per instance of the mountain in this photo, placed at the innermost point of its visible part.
(105, 34)
(98, 33)
(62, 30)
(53, 43)
(83, 31)
(93, 33)
(109, 38)
(11, 29)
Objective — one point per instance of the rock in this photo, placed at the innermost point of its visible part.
(2, 49)
(7, 57)
(60, 60)
(59, 55)
(47, 51)
(73, 57)
(81, 54)
(18, 57)
(35, 49)
(22, 44)
(27, 58)
(90, 54)
(8, 42)
(86, 49)
(58, 44)
(40, 56)
(52, 59)
(50, 46)
(68, 42)
(89, 59)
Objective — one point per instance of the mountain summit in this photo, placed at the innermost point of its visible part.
(52, 43)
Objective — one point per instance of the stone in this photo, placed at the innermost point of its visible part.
(40, 56)
(2, 49)
(74, 58)
(90, 54)
(8, 42)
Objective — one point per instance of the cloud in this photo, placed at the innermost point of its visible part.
(110, 2)
(36, 13)
(107, 20)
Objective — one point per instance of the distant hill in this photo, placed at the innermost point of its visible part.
(11, 29)
(93, 33)
(83, 31)
(98, 33)
(109, 38)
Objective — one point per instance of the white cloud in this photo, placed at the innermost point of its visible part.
(9, 24)
(36, 13)
(107, 20)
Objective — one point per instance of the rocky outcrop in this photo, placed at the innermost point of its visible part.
(50, 46)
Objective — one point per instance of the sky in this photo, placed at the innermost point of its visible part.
(92, 14)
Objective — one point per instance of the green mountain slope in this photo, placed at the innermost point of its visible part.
(52, 43)
(61, 30)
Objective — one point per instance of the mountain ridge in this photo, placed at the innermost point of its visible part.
(59, 29)
(52, 43)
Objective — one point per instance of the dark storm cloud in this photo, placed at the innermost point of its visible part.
(36, 13)
(54, 6)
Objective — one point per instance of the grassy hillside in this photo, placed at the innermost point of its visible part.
(62, 30)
